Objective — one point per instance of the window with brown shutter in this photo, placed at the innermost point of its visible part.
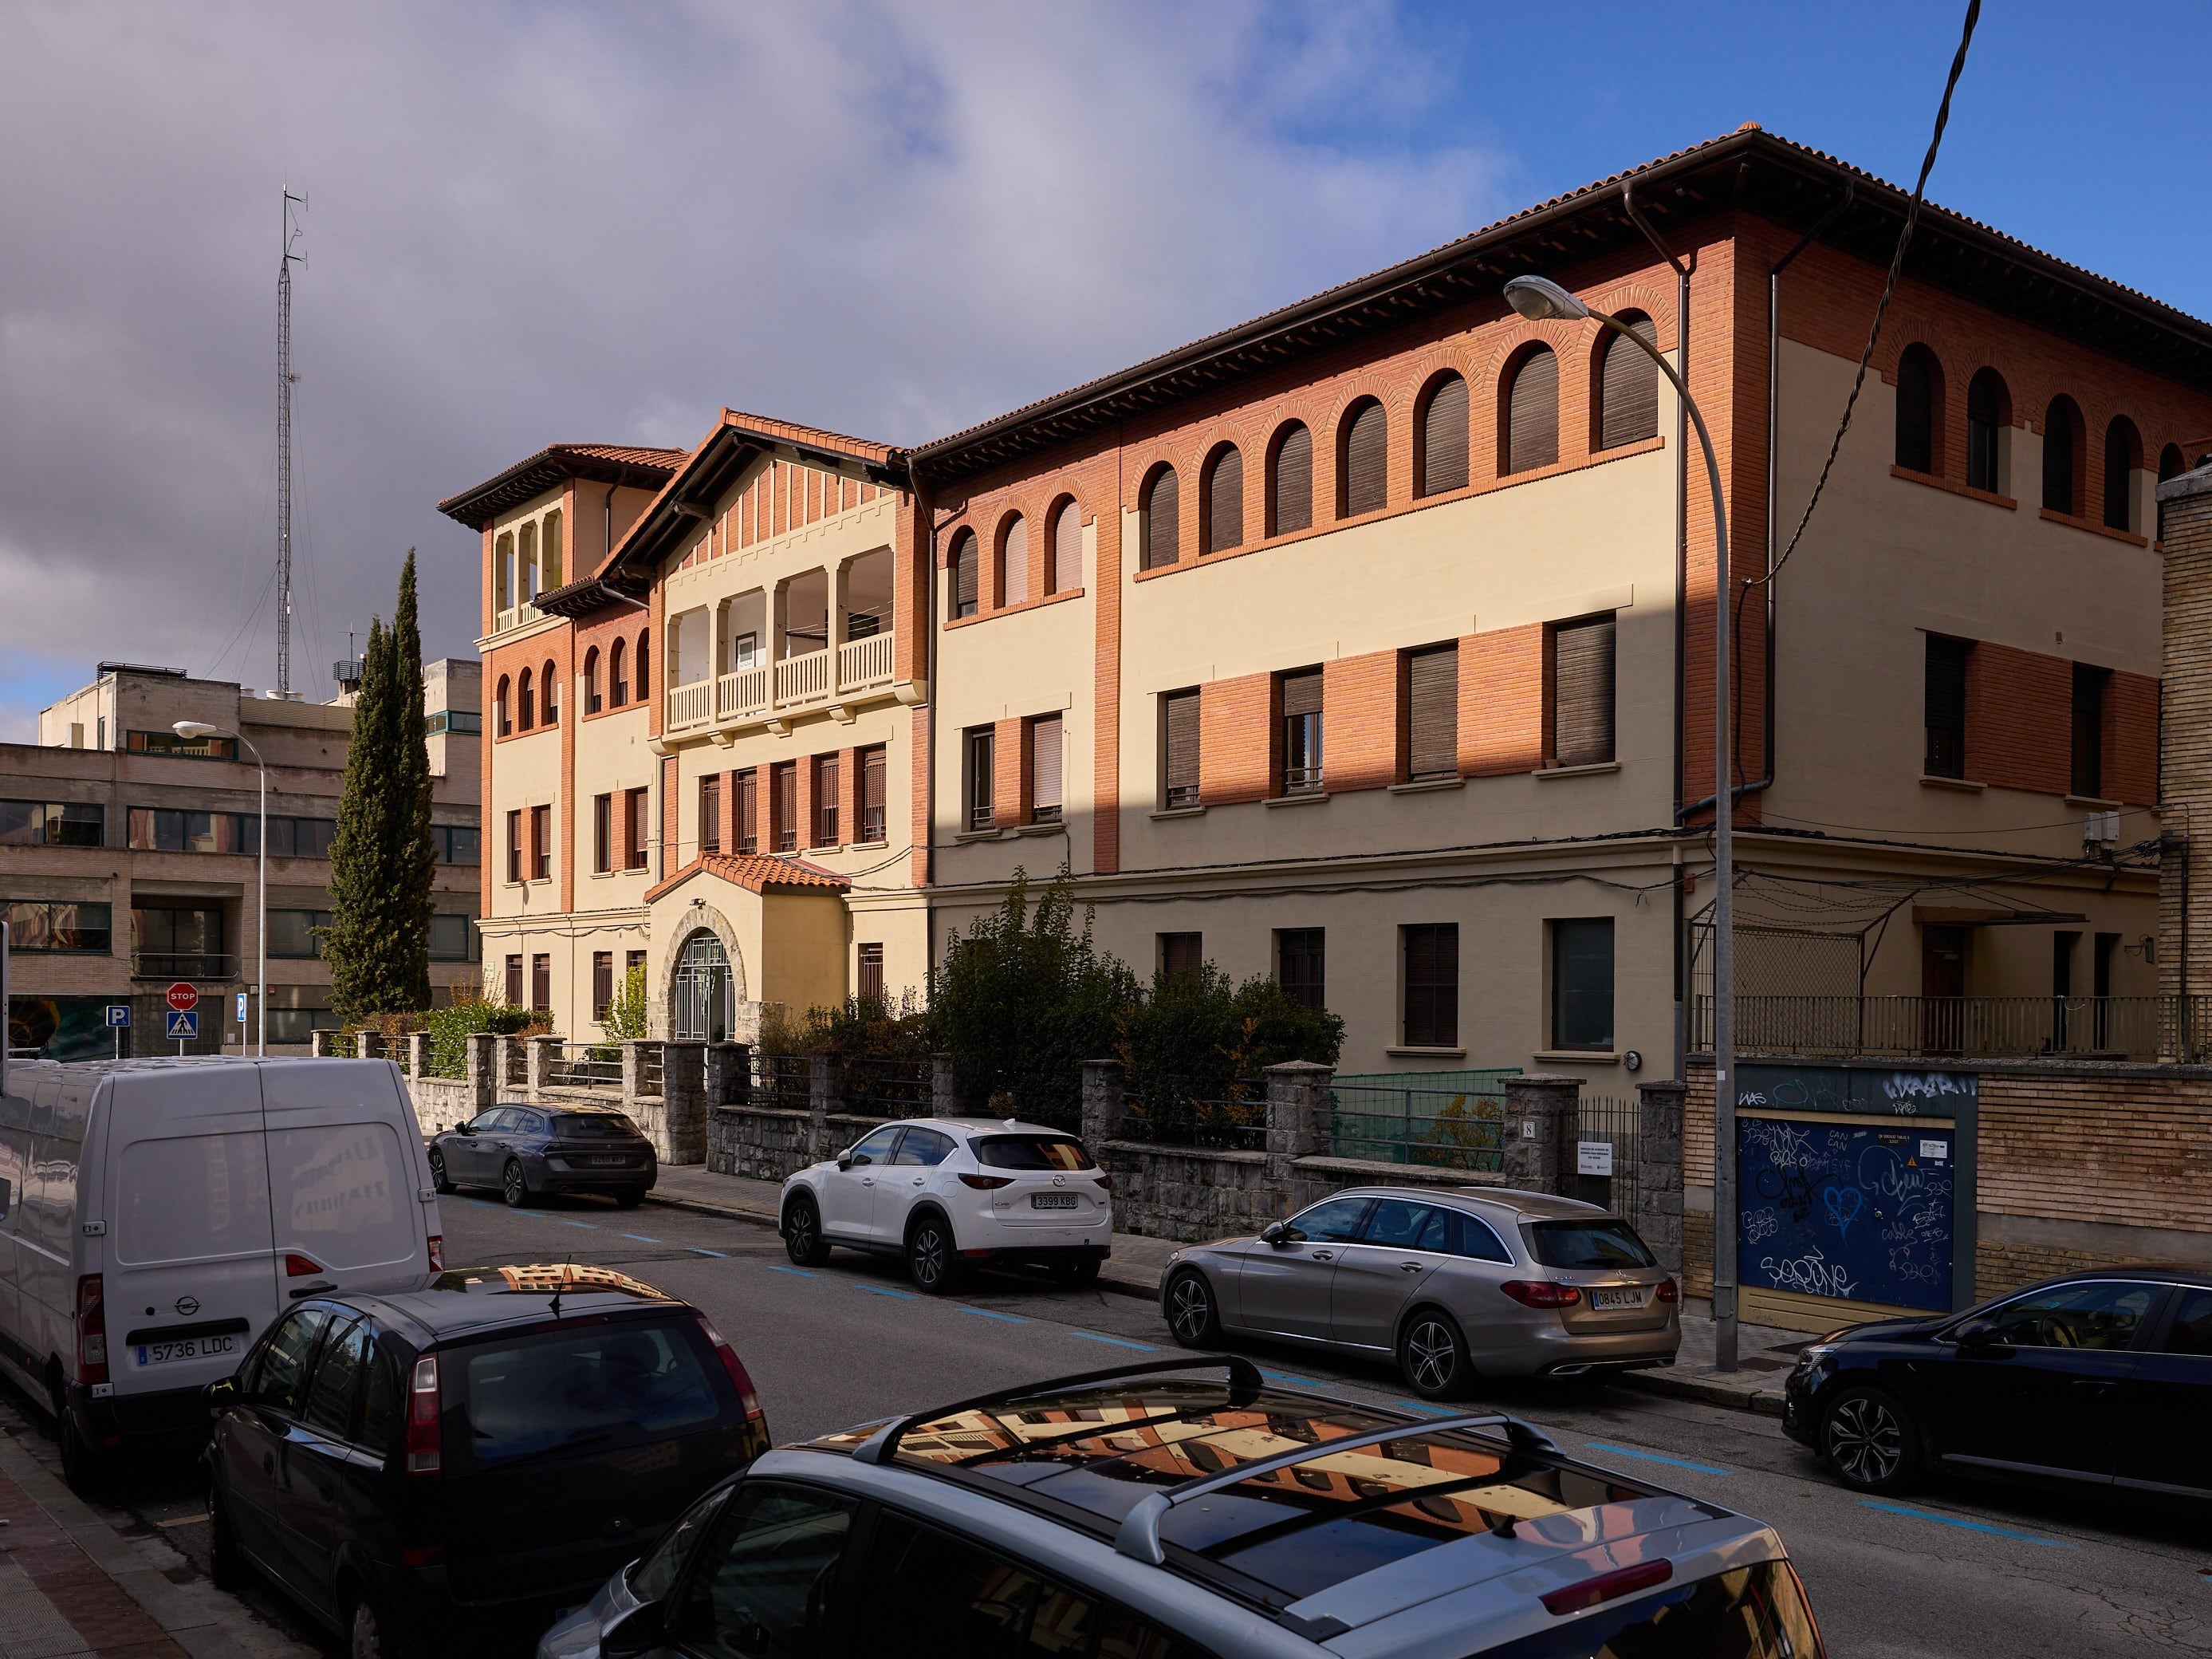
(964, 574)
(981, 767)
(1067, 572)
(541, 984)
(1532, 413)
(1179, 749)
(1582, 692)
(873, 769)
(1300, 693)
(602, 983)
(1432, 713)
(1290, 481)
(1916, 380)
(1014, 563)
(1363, 461)
(1628, 389)
(710, 814)
(2123, 455)
(602, 833)
(640, 803)
(783, 806)
(1988, 411)
(1181, 953)
(2062, 439)
(1044, 769)
(825, 800)
(541, 844)
(872, 972)
(1299, 965)
(514, 846)
(1160, 520)
(1224, 501)
(1443, 448)
(1944, 706)
(749, 811)
(515, 982)
(1431, 985)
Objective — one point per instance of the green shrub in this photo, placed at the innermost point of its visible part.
(626, 1014)
(860, 1028)
(1195, 1047)
(450, 1027)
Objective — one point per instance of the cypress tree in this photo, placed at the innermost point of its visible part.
(415, 859)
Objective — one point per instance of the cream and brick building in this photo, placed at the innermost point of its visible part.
(1368, 644)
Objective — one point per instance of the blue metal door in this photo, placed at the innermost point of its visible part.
(1859, 1212)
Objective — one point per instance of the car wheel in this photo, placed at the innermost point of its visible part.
(630, 1197)
(226, 1566)
(1432, 1356)
(802, 1235)
(1193, 1319)
(1869, 1439)
(512, 1187)
(439, 1178)
(369, 1634)
(931, 1255)
(82, 1470)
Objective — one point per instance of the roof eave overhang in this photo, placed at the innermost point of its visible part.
(532, 477)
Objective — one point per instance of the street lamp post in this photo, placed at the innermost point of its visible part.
(1539, 299)
(202, 729)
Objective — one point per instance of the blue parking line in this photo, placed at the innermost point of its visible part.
(1424, 1405)
(589, 1226)
(1966, 1525)
(700, 1250)
(1653, 1457)
(640, 1238)
(778, 1267)
(1295, 1381)
(1117, 1341)
(985, 1313)
(878, 1290)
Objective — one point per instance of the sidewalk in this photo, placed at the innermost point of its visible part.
(1135, 1266)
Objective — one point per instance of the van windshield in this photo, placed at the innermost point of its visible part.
(1607, 1243)
(602, 1385)
(1753, 1612)
(586, 1126)
(1032, 1152)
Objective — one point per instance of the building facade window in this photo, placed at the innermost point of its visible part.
(874, 765)
(1301, 965)
(1581, 684)
(502, 704)
(549, 694)
(1290, 480)
(53, 823)
(1532, 412)
(292, 935)
(36, 927)
(749, 810)
(870, 977)
(603, 833)
(825, 800)
(1179, 740)
(1014, 561)
(1442, 444)
(1944, 698)
(1222, 492)
(1919, 409)
(1045, 769)
(1064, 574)
(1161, 522)
(513, 986)
(2123, 459)
(1299, 697)
(169, 743)
(453, 939)
(541, 984)
(783, 806)
(1582, 983)
(1429, 974)
(1432, 714)
(644, 666)
(603, 985)
(1989, 413)
(1363, 459)
(618, 675)
(541, 844)
(964, 584)
(1181, 953)
(1628, 386)
(181, 941)
(2061, 456)
(980, 752)
(454, 843)
(2088, 724)
(514, 849)
(710, 813)
(638, 803)
(591, 704)
(524, 702)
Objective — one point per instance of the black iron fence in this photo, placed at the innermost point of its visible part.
(1453, 1128)
(1602, 1163)
(2111, 1028)
(887, 1088)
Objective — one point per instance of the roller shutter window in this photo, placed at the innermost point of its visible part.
(1628, 394)
(2089, 770)
(1160, 520)
(1290, 485)
(1045, 769)
(1301, 696)
(1431, 981)
(1916, 410)
(982, 765)
(1366, 460)
(783, 806)
(2120, 463)
(1432, 713)
(1945, 700)
(1068, 549)
(1443, 438)
(874, 768)
(749, 811)
(1225, 502)
(1179, 747)
(964, 574)
(1984, 416)
(710, 813)
(1014, 564)
(1582, 692)
(2059, 438)
(1532, 417)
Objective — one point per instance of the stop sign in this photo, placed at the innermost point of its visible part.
(183, 998)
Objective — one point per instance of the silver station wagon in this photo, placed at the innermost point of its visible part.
(1454, 1283)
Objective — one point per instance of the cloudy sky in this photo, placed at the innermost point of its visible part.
(536, 223)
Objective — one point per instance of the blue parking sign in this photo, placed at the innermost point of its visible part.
(241, 1007)
(183, 1026)
(118, 1015)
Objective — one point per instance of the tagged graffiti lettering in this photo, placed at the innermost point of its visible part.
(1759, 1225)
(1790, 1189)
(1812, 1273)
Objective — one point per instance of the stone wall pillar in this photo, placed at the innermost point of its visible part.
(1298, 1122)
(2184, 870)
(481, 1072)
(1105, 1102)
(368, 1045)
(1658, 1215)
(539, 1054)
(729, 1075)
(323, 1043)
(825, 1093)
(1541, 1109)
(635, 1056)
(514, 1065)
(684, 1102)
(944, 1090)
(418, 1053)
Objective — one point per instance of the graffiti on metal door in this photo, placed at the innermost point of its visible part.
(1857, 1211)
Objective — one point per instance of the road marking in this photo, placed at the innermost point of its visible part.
(878, 1290)
(778, 1267)
(1117, 1341)
(1966, 1525)
(700, 1250)
(1295, 1381)
(985, 1313)
(640, 1238)
(1423, 1406)
(589, 1226)
(1653, 1457)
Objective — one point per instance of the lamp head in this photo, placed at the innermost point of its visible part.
(198, 729)
(1541, 300)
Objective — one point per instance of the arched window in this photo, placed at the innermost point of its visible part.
(1919, 410)
(644, 666)
(549, 697)
(591, 704)
(501, 723)
(1014, 561)
(526, 557)
(1363, 459)
(1440, 448)
(1064, 571)
(963, 573)
(2122, 456)
(2061, 456)
(617, 676)
(1627, 386)
(1531, 411)
(503, 574)
(1290, 480)
(1161, 518)
(1989, 413)
(1224, 526)
(550, 550)
(524, 718)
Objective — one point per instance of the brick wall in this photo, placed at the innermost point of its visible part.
(2185, 881)
(1010, 773)
(1501, 701)
(1236, 739)
(1361, 719)
(2020, 725)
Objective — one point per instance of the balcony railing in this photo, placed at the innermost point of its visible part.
(690, 704)
(741, 693)
(855, 668)
(183, 964)
(2103, 1028)
(803, 679)
(864, 664)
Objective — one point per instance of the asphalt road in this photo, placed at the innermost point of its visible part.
(1956, 1571)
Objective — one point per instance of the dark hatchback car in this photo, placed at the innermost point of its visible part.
(461, 1458)
(526, 1150)
(2097, 1379)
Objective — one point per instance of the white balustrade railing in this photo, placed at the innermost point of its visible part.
(741, 692)
(690, 704)
(800, 679)
(863, 664)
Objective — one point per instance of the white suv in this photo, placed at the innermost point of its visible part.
(943, 1192)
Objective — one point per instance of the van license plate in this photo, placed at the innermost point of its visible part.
(1613, 1301)
(195, 1347)
(1052, 1200)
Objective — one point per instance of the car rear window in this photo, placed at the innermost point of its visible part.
(603, 1385)
(1033, 1152)
(605, 1126)
(1753, 1612)
(1589, 1244)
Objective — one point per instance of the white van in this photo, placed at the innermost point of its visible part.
(160, 1213)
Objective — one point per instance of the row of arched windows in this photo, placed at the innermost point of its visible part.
(617, 672)
(1010, 561)
(1921, 428)
(531, 699)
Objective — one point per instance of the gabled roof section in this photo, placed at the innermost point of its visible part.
(638, 466)
(756, 872)
(730, 445)
(1788, 184)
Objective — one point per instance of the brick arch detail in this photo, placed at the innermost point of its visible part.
(660, 1012)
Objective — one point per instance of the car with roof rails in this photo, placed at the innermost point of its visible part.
(947, 1193)
(1452, 1283)
(463, 1455)
(1187, 1508)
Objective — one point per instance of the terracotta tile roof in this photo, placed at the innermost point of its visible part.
(536, 474)
(756, 873)
(862, 449)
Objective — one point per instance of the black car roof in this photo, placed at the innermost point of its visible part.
(462, 1301)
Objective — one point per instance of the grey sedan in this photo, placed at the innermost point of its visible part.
(1453, 1283)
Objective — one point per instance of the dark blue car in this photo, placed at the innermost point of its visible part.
(523, 1151)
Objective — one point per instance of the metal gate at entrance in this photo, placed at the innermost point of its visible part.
(703, 1004)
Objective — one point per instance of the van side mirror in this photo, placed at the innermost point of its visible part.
(637, 1632)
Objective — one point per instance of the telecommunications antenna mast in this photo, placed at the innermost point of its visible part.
(284, 378)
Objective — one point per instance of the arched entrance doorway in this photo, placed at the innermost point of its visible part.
(702, 1005)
